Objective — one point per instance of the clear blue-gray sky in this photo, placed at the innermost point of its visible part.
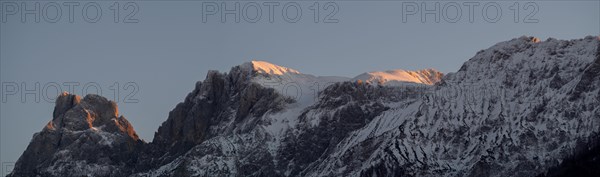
(170, 48)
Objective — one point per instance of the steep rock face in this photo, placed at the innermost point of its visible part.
(223, 104)
(214, 101)
(85, 137)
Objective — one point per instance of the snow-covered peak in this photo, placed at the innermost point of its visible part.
(289, 82)
(269, 68)
(398, 76)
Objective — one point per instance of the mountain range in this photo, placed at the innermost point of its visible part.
(522, 107)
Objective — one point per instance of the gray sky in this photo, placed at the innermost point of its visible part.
(170, 48)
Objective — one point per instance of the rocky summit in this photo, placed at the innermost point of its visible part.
(85, 137)
(523, 107)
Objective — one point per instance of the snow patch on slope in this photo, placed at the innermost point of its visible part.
(399, 77)
(303, 88)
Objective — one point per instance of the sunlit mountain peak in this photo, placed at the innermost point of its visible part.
(269, 68)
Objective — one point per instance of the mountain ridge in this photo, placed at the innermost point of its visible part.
(517, 108)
